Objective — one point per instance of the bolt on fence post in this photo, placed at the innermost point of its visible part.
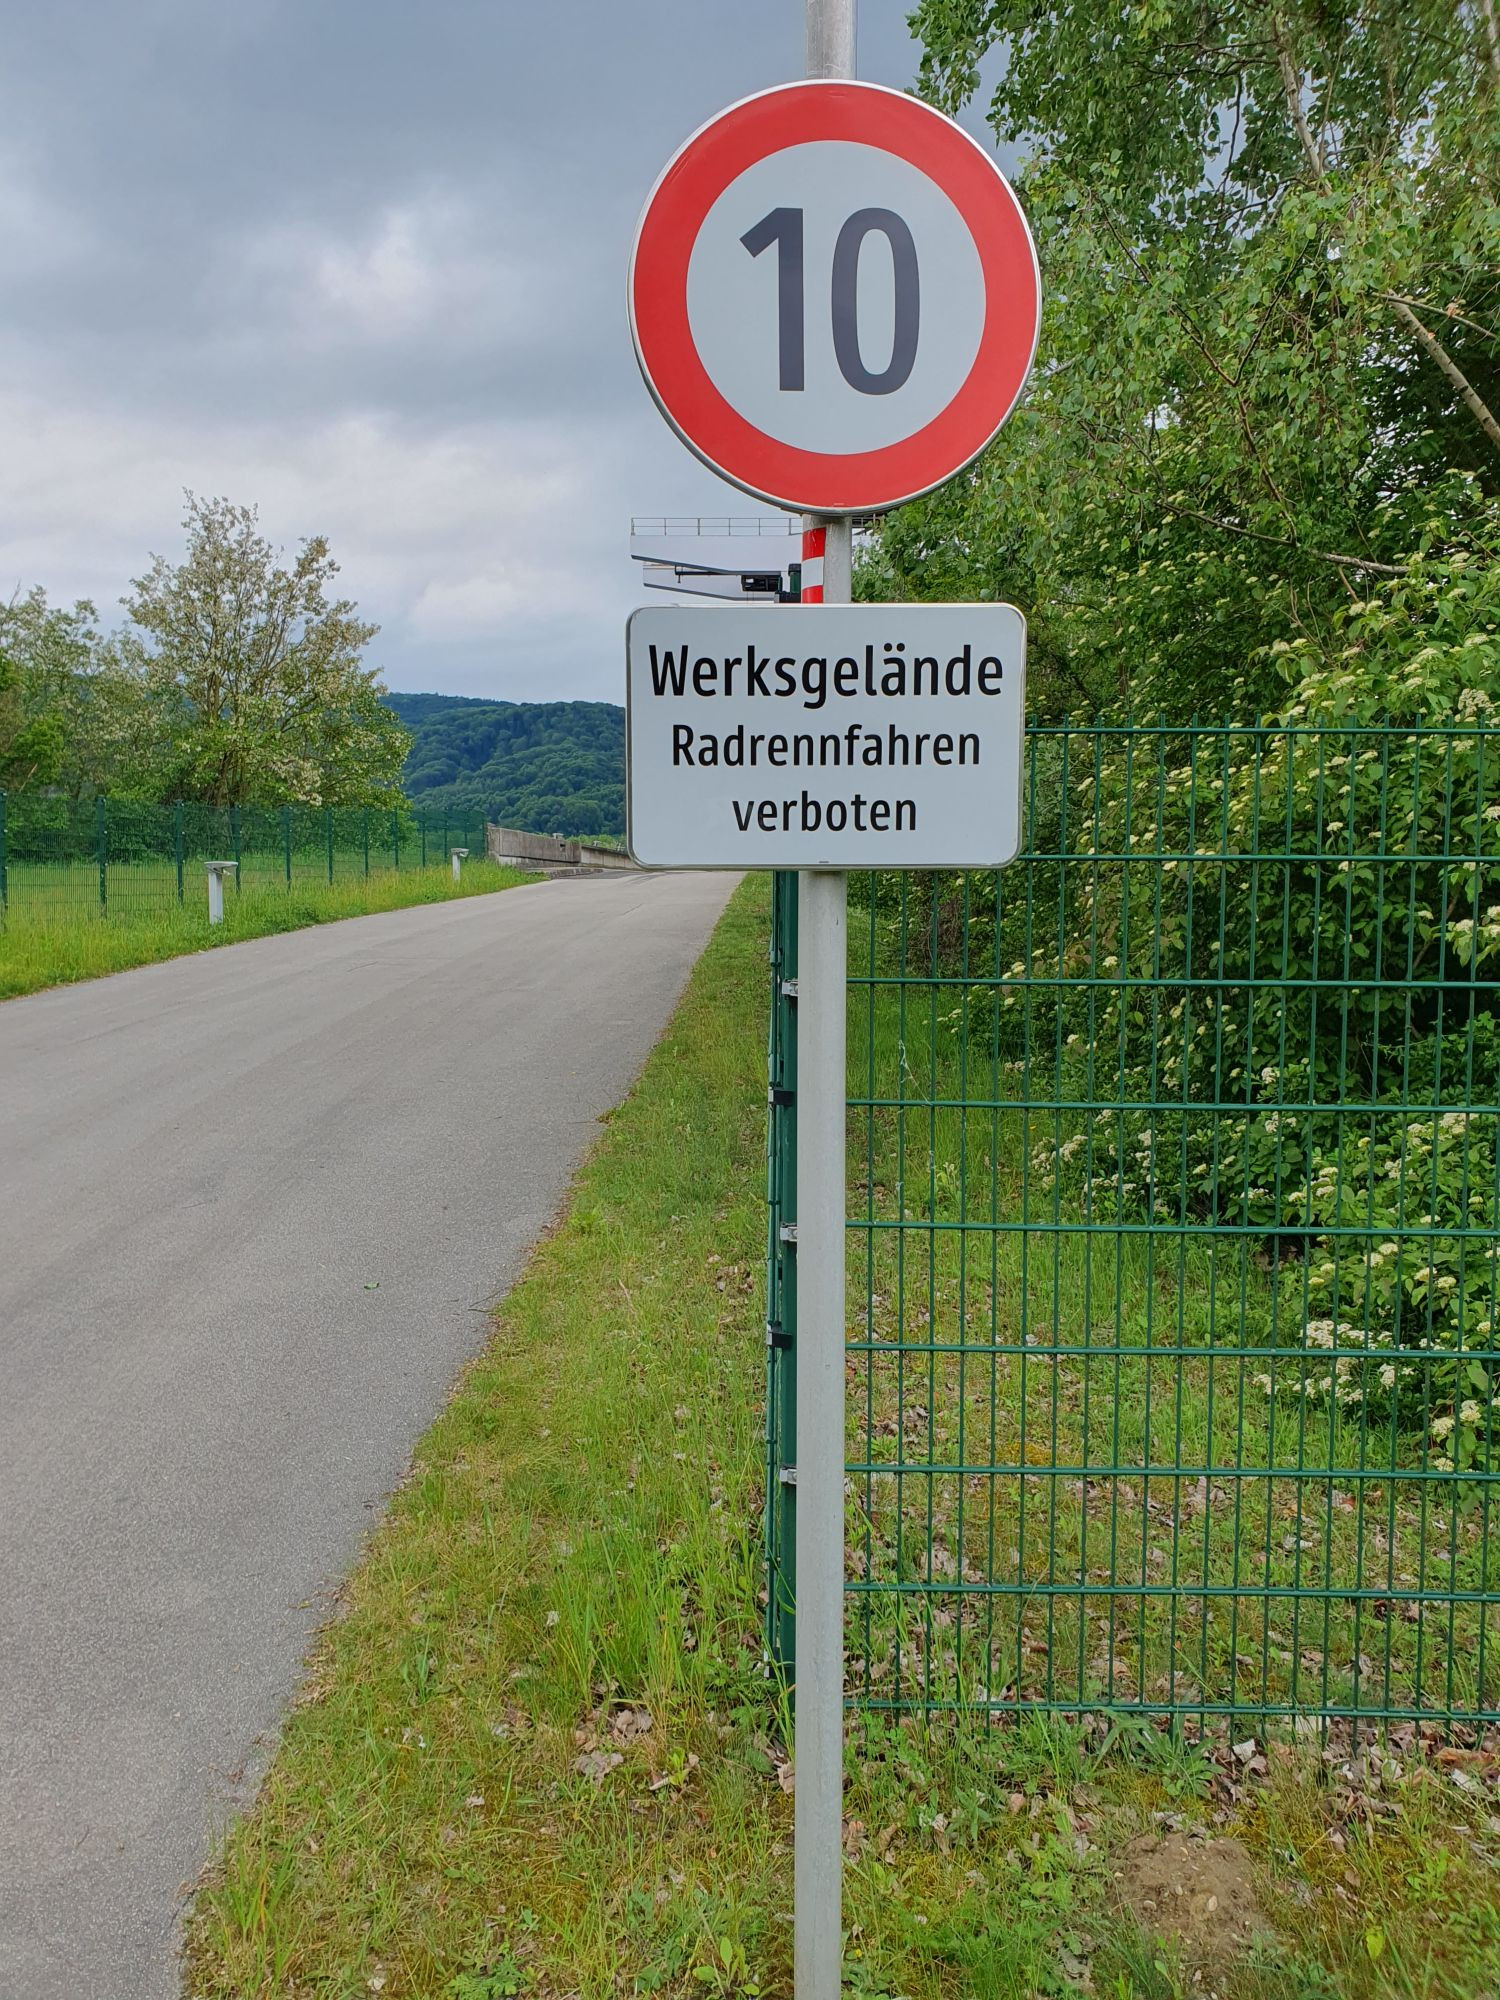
(101, 851)
(177, 844)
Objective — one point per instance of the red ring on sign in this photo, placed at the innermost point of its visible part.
(870, 115)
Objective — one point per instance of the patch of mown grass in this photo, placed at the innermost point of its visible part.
(537, 1754)
(41, 947)
(1386, 1889)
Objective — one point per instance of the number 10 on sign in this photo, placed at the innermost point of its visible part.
(834, 296)
(786, 227)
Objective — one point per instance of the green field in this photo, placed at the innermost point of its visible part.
(56, 928)
(537, 1751)
(74, 859)
(71, 891)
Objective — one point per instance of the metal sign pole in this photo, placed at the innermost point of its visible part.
(819, 1693)
(822, 968)
(778, 148)
(831, 38)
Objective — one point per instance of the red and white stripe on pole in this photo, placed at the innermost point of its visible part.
(814, 541)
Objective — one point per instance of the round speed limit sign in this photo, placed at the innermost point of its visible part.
(834, 296)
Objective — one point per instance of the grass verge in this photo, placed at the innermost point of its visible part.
(38, 949)
(536, 1755)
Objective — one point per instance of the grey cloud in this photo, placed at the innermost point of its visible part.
(361, 262)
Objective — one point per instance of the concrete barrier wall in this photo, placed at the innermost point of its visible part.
(507, 844)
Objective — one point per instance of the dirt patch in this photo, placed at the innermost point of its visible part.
(1196, 1894)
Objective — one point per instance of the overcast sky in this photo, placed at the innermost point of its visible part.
(361, 263)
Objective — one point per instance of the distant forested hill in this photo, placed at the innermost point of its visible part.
(544, 766)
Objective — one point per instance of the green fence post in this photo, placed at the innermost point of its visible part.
(396, 839)
(4, 886)
(422, 829)
(234, 835)
(328, 832)
(365, 828)
(177, 844)
(286, 843)
(781, 1284)
(101, 852)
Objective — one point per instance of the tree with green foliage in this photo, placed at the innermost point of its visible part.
(48, 661)
(1268, 394)
(545, 766)
(1258, 476)
(254, 677)
(31, 745)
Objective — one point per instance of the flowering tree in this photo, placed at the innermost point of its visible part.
(254, 677)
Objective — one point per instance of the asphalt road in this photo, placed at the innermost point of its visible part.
(253, 1206)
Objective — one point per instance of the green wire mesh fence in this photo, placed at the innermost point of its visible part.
(1174, 1240)
(69, 859)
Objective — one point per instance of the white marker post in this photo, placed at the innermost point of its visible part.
(217, 870)
(460, 856)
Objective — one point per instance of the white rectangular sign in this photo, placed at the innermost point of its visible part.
(825, 736)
